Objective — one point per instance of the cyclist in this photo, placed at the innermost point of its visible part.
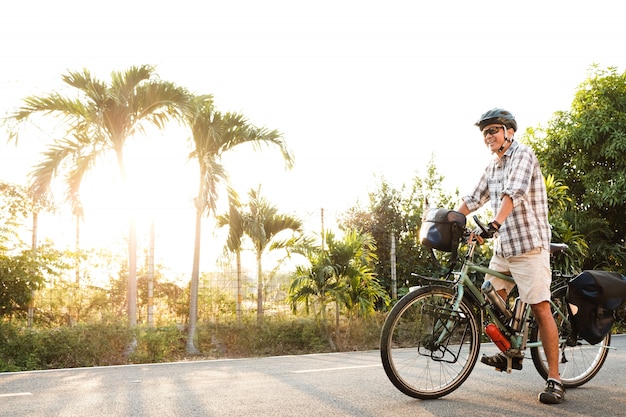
(514, 185)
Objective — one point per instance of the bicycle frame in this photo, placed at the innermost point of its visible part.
(431, 338)
(463, 281)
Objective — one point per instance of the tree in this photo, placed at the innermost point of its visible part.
(340, 270)
(234, 220)
(559, 201)
(213, 134)
(262, 222)
(23, 269)
(98, 119)
(398, 213)
(354, 258)
(585, 147)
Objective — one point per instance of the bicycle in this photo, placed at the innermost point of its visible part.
(431, 338)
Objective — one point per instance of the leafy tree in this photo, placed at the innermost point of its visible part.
(17, 283)
(585, 147)
(398, 213)
(213, 134)
(23, 268)
(99, 117)
(570, 261)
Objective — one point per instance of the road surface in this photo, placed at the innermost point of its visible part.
(338, 384)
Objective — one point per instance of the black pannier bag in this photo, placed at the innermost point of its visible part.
(442, 229)
(593, 297)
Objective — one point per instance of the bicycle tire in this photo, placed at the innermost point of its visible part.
(578, 364)
(414, 361)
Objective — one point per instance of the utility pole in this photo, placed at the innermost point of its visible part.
(394, 281)
(323, 237)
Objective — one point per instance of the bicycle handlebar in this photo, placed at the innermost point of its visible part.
(480, 224)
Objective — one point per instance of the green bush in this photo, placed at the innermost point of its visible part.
(115, 343)
(276, 336)
(161, 344)
(63, 347)
(232, 339)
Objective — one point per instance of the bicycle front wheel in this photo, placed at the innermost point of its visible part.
(579, 361)
(428, 347)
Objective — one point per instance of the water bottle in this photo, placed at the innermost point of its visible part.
(518, 315)
(497, 337)
(497, 301)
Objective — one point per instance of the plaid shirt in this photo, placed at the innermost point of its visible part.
(516, 174)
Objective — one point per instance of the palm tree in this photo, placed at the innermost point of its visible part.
(340, 270)
(98, 120)
(262, 223)
(234, 220)
(354, 257)
(213, 134)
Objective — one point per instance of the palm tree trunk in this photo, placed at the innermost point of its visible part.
(151, 277)
(132, 272)
(193, 295)
(259, 292)
(77, 248)
(326, 327)
(31, 304)
(239, 296)
(132, 246)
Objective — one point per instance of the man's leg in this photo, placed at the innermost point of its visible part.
(554, 393)
(549, 337)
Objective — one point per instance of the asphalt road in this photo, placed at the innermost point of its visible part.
(339, 384)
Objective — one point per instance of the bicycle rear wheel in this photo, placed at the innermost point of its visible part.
(427, 347)
(579, 361)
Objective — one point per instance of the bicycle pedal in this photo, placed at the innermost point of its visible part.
(502, 363)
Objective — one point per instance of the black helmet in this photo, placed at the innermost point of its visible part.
(497, 116)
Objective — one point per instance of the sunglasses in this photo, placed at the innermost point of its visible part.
(492, 130)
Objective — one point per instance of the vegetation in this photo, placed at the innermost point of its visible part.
(583, 148)
(325, 293)
(99, 119)
(339, 272)
(396, 214)
(106, 343)
(213, 134)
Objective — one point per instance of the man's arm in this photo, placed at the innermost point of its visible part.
(463, 209)
(505, 209)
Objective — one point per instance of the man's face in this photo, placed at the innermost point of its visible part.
(494, 136)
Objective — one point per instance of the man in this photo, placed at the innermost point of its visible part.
(514, 184)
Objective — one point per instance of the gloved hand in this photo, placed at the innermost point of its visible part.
(491, 230)
(482, 234)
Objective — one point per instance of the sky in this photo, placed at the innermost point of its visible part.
(360, 89)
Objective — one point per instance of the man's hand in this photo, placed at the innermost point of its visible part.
(491, 230)
(481, 233)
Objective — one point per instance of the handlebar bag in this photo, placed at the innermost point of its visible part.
(593, 297)
(442, 229)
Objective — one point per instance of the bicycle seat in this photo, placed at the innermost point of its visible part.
(558, 247)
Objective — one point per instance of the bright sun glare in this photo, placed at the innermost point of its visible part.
(161, 187)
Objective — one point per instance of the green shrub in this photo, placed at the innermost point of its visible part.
(273, 337)
(115, 343)
(158, 345)
(63, 347)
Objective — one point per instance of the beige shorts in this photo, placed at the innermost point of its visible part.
(531, 272)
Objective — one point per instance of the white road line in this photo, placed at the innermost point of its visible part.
(333, 369)
(16, 394)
